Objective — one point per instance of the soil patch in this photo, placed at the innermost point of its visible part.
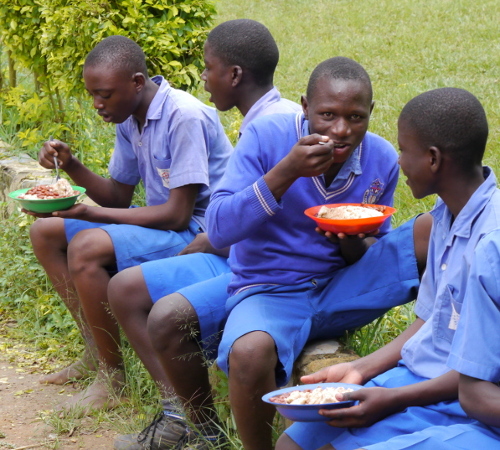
(24, 403)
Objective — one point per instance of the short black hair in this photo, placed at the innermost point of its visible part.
(451, 119)
(339, 68)
(120, 52)
(248, 44)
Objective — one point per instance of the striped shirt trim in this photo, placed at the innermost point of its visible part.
(269, 211)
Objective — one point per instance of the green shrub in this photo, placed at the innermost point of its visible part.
(51, 38)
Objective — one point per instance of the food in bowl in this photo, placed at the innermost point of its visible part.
(311, 396)
(349, 212)
(351, 226)
(60, 189)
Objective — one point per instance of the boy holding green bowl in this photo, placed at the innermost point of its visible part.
(165, 138)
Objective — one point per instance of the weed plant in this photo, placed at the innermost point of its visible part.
(407, 47)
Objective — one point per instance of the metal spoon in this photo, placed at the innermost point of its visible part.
(56, 164)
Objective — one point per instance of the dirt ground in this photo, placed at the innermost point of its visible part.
(23, 402)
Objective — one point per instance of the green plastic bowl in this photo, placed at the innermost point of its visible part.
(46, 205)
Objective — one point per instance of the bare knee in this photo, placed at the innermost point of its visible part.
(171, 322)
(253, 356)
(128, 293)
(89, 249)
(48, 232)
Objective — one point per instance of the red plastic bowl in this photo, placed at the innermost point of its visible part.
(349, 226)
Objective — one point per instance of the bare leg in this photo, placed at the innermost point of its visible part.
(89, 254)
(173, 328)
(252, 364)
(50, 247)
(131, 304)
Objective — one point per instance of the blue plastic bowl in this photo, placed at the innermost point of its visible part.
(308, 413)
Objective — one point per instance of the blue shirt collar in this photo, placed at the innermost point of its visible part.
(260, 105)
(462, 225)
(156, 107)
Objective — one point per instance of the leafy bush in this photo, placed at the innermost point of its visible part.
(51, 38)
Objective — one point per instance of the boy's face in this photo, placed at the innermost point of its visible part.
(339, 109)
(116, 96)
(218, 78)
(415, 161)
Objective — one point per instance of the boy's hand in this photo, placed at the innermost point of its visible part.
(78, 211)
(338, 373)
(311, 156)
(54, 148)
(374, 404)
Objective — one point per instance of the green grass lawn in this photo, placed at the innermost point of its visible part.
(407, 47)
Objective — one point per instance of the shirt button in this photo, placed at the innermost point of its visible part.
(443, 266)
(140, 144)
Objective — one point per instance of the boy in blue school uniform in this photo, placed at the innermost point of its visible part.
(289, 283)
(410, 387)
(165, 137)
(240, 61)
(475, 354)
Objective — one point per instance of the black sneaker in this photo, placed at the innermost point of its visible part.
(166, 431)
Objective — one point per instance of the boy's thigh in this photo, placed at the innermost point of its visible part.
(385, 277)
(168, 275)
(453, 437)
(413, 419)
(208, 298)
(133, 244)
(282, 312)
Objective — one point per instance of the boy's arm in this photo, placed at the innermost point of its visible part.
(364, 369)
(175, 214)
(104, 191)
(376, 403)
(480, 399)
(250, 191)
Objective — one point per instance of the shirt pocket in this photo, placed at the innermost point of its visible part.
(449, 314)
(162, 167)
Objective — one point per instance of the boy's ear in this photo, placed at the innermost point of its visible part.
(305, 106)
(372, 106)
(236, 75)
(139, 80)
(435, 159)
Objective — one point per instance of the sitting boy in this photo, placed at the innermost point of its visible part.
(240, 60)
(475, 355)
(165, 137)
(409, 386)
(289, 283)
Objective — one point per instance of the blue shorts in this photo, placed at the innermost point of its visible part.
(313, 435)
(166, 276)
(134, 244)
(385, 277)
(453, 437)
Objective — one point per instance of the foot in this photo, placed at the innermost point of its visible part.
(106, 392)
(164, 432)
(76, 371)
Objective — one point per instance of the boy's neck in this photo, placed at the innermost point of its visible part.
(251, 94)
(459, 188)
(149, 91)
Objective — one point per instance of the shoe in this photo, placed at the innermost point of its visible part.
(165, 432)
(215, 441)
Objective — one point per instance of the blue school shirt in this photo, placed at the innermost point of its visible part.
(274, 242)
(182, 142)
(270, 103)
(447, 280)
(475, 350)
